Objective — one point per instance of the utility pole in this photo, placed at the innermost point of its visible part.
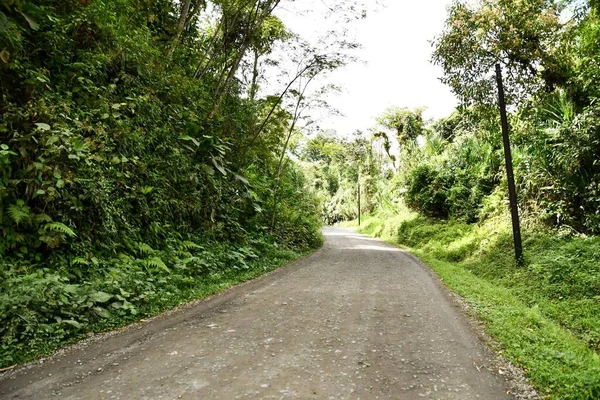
(512, 191)
(358, 196)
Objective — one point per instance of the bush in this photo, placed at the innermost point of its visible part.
(557, 164)
(427, 190)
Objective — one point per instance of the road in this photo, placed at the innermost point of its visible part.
(358, 319)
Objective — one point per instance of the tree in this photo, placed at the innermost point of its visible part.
(186, 15)
(583, 87)
(272, 31)
(300, 102)
(247, 21)
(386, 144)
(447, 127)
(305, 64)
(407, 124)
(521, 35)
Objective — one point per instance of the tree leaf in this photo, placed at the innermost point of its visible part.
(100, 297)
(189, 138)
(42, 126)
(219, 166)
(72, 322)
(101, 312)
(242, 179)
(51, 140)
(32, 22)
(4, 56)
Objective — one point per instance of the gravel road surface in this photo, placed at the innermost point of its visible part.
(358, 319)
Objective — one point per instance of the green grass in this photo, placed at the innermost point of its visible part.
(545, 316)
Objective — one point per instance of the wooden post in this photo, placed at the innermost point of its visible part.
(358, 196)
(512, 191)
(359, 200)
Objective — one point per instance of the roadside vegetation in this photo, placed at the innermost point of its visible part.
(544, 317)
(153, 152)
(143, 157)
(438, 188)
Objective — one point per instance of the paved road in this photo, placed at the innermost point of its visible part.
(359, 319)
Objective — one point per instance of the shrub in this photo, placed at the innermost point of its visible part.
(427, 190)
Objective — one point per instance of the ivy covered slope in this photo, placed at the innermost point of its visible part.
(135, 169)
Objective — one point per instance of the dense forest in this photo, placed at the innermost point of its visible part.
(143, 159)
(154, 152)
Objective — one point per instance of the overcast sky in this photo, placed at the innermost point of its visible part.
(397, 70)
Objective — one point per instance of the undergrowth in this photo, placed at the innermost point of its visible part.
(136, 171)
(43, 309)
(545, 315)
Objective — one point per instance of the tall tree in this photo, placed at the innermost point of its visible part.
(522, 35)
(407, 124)
(246, 25)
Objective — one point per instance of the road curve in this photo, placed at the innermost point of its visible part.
(358, 319)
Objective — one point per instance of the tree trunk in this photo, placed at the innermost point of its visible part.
(279, 170)
(297, 114)
(254, 84)
(255, 21)
(202, 66)
(272, 110)
(183, 20)
(223, 89)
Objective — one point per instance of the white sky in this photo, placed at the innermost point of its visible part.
(397, 71)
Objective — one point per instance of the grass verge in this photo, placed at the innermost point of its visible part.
(545, 316)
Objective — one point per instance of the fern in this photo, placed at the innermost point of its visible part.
(146, 189)
(188, 260)
(124, 258)
(144, 248)
(79, 260)
(186, 244)
(39, 218)
(19, 212)
(156, 263)
(60, 228)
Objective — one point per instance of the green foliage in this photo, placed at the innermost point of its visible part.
(557, 163)
(407, 124)
(545, 316)
(520, 35)
(130, 164)
(555, 130)
(445, 179)
(427, 190)
(19, 212)
(58, 227)
(41, 309)
(335, 167)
